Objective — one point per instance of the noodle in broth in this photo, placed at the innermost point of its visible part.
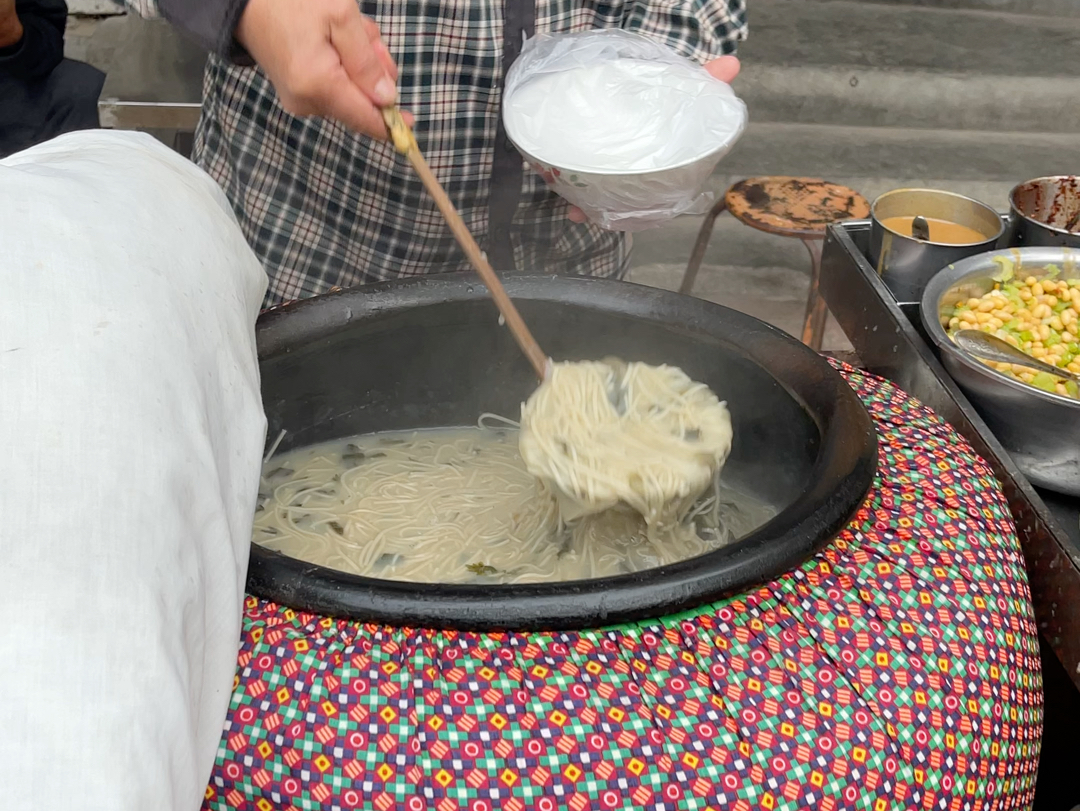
(458, 506)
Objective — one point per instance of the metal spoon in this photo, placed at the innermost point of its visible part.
(920, 229)
(990, 347)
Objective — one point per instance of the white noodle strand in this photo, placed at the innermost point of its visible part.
(603, 434)
(456, 506)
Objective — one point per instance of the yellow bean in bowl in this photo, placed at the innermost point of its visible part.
(1040, 316)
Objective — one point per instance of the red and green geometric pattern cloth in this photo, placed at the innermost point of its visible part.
(898, 669)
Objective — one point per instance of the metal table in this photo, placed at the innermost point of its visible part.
(888, 341)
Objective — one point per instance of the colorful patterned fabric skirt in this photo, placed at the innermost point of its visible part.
(898, 669)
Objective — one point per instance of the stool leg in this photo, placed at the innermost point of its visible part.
(816, 312)
(692, 267)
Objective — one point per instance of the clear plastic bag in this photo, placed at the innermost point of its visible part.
(620, 125)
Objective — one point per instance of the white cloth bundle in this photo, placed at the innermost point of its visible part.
(131, 431)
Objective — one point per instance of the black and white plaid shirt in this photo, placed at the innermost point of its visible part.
(325, 208)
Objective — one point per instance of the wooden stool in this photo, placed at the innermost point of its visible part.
(797, 207)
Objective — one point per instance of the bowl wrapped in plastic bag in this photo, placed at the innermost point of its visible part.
(620, 125)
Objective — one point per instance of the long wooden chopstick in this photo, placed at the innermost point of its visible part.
(405, 142)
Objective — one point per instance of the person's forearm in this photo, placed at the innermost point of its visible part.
(209, 23)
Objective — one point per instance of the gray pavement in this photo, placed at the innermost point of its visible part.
(776, 295)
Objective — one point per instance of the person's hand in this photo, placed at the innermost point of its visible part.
(724, 68)
(323, 57)
(11, 30)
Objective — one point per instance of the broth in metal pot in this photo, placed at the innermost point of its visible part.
(456, 505)
(941, 231)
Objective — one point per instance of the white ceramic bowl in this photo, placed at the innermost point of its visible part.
(655, 117)
(630, 201)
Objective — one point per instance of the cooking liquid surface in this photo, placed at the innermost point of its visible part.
(941, 231)
(457, 506)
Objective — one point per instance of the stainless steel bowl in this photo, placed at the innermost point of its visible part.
(906, 264)
(1040, 209)
(1041, 431)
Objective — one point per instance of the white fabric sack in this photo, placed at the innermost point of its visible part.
(131, 431)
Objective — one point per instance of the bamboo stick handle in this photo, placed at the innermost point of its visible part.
(405, 142)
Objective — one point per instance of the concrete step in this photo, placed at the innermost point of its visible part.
(1044, 8)
(862, 64)
(961, 155)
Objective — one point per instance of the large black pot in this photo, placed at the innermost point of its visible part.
(431, 353)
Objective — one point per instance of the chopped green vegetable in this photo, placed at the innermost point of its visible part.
(1052, 271)
(1053, 340)
(1026, 336)
(1071, 387)
(1007, 265)
(1045, 381)
(481, 569)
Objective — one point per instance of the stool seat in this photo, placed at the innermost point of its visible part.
(799, 207)
(793, 206)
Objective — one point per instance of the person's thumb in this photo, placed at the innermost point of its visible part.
(724, 68)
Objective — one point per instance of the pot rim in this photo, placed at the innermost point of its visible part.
(975, 266)
(875, 220)
(837, 484)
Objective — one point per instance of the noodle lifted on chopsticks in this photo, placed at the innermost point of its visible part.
(608, 433)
